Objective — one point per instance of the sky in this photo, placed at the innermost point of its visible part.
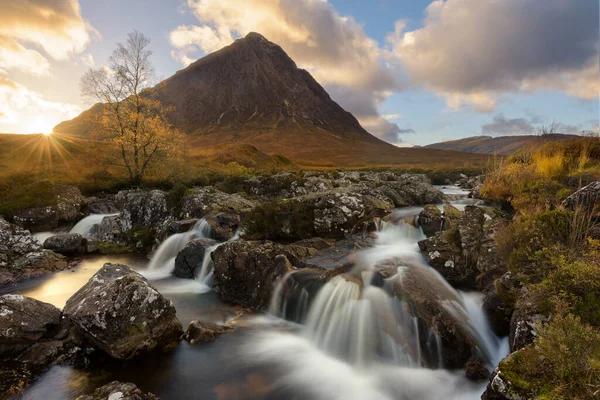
(412, 71)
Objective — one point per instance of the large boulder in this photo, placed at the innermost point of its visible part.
(190, 258)
(410, 190)
(208, 200)
(22, 256)
(68, 201)
(586, 198)
(119, 391)
(454, 253)
(120, 312)
(523, 323)
(24, 320)
(245, 272)
(142, 208)
(65, 243)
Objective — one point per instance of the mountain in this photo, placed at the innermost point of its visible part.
(498, 145)
(251, 92)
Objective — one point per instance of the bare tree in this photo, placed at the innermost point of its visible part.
(131, 118)
(548, 129)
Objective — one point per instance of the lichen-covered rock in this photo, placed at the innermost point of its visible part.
(489, 263)
(119, 391)
(22, 256)
(204, 332)
(523, 323)
(586, 198)
(122, 314)
(410, 190)
(102, 205)
(24, 320)
(190, 258)
(208, 200)
(109, 230)
(64, 243)
(142, 208)
(245, 272)
(431, 220)
(500, 388)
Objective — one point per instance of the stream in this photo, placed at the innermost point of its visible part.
(335, 344)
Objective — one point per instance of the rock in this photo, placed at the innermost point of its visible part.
(431, 220)
(208, 200)
(245, 272)
(522, 324)
(501, 388)
(313, 243)
(119, 391)
(224, 225)
(340, 253)
(440, 309)
(269, 185)
(454, 253)
(103, 205)
(476, 371)
(22, 256)
(476, 191)
(498, 312)
(24, 320)
(586, 198)
(121, 313)
(90, 245)
(190, 258)
(68, 201)
(489, 263)
(410, 190)
(109, 230)
(142, 208)
(204, 332)
(64, 243)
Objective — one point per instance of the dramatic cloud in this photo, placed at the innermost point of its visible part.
(470, 52)
(332, 47)
(26, 111)
(32, 30)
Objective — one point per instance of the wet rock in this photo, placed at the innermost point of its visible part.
(476, 371)
(109, 230)
(586, 198)
(340, 253)
(142, 208)
(204, 332)
(498, 312)
(24, 320)
(38, 219)
(313, 243)
(522, 324)
(208, 200)
(119, 391)
(410, 190)
(223, 225)
(431, 220)
(245, 272)
(190, 258)
(121, 313)
(440, 309)
(64, 243)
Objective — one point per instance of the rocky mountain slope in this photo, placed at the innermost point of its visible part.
(252, 92)
(498, 145)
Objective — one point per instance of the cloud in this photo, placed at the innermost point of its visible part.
(25, 110)
(501, 125)
(33, 30)
(470, 52)
(333, 48)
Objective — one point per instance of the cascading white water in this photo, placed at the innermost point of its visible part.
(353, 325)
(83, 227)
(162, 263)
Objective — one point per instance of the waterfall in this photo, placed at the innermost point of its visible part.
(359, 334)
(162, 263)
(83, 227)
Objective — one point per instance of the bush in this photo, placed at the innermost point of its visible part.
(20, 192)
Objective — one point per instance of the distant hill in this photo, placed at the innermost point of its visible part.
(251, 92)
(497, 145)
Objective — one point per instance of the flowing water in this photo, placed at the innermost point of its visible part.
(350, 338)
(82, 227)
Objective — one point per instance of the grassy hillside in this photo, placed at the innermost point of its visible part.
(502, 145)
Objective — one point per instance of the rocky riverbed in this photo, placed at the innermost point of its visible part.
(349, 236)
